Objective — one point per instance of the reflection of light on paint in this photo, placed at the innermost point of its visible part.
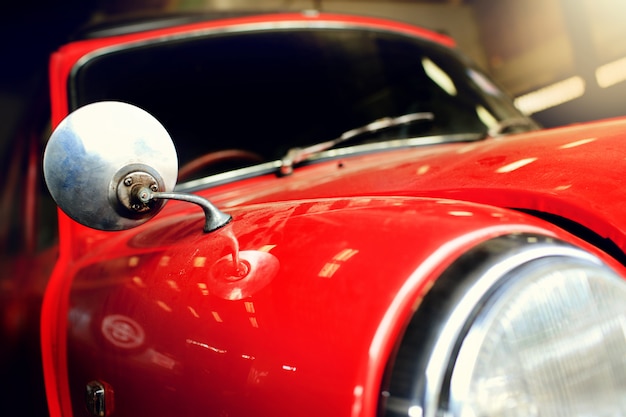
(199, 261)
(256, 376)
(254, 323)
(249, 306)
(248, 357)
(216, 317)
(357, 404)
(466, 148)
(551, 96)
(235, 294)
(161, 360)
(164, 306)
(460, 213)
(289, 368)
(577, 143)
(423, 169)
(193, 312)
(203, 288)
(329, 269)
(563, 187)
(138, 282)
(133, 261)
(515, 165)
(345, 255)
(206, 346)
(611, 73)
(164, 261)
(173, 284)
(122, 331)
(266, 248)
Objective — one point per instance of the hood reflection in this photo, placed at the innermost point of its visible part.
(256, 270)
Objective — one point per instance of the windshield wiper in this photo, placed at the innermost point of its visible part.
(504, 125)
(297, 155)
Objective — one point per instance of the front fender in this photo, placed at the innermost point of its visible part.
(306, 329)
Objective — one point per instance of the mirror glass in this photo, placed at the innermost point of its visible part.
(96, 147)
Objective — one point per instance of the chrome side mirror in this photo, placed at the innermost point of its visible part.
(111, 166)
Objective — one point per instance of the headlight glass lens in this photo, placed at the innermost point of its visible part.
(551, 341)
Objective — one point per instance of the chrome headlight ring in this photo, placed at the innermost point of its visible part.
(520, 325)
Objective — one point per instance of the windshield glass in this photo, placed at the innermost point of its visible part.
(269, 91)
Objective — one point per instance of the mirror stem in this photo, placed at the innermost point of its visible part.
(214, 217)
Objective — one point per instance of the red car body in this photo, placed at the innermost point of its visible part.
(342, 252)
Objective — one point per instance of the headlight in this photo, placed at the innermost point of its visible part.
(516, 329)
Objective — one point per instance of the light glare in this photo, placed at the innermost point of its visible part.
(551, 96)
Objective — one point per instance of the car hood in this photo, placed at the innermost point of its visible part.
(330, 287)
(568, 172)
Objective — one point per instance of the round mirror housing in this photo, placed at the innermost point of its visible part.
(100, 155)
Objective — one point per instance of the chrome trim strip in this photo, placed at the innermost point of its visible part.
(229, 176)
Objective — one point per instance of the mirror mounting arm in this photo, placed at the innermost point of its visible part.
(214, 217)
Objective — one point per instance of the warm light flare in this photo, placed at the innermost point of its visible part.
(551, 95)
(611, 73)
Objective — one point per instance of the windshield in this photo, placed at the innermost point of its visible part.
(270, 91)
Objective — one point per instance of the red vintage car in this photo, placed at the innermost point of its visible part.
(323, 215)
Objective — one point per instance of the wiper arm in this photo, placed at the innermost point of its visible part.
(501, 127)
(297, 155)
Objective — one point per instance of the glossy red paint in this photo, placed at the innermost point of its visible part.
(305, 338)
(566, 172)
